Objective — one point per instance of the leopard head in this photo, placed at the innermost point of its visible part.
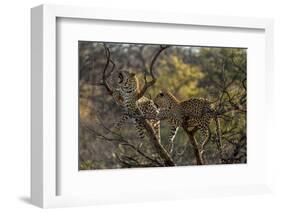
(165, 99)
(127, 80)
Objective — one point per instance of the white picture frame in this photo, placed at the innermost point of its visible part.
(44, 154)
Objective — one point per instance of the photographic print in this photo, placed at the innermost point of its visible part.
(151, 105)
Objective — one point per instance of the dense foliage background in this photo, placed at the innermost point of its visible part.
(218, 74)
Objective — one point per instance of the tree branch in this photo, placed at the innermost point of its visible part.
(152, 82)
(168, 161)
(104, 77)
(196, 149)
(154, 161)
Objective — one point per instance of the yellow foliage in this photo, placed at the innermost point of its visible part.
(179, 78)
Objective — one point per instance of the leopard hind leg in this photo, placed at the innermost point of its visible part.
(156, 127)
(205, 134)
(171, 137)
(120, 123)
(140, 129)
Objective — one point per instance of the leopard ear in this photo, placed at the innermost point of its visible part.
(164, 91)
(161, 93)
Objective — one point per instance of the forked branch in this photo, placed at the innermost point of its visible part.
(104, 75)
(153, 81)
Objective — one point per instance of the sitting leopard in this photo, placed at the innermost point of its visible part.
(195, 112)
(126, 95)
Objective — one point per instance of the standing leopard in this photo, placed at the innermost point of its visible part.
(195, 112)
(126, 95)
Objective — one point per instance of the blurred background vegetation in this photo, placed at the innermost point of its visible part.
(218, 74)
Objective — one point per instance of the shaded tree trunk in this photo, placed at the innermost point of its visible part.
(196, 149)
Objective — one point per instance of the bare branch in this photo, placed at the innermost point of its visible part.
(237, 154)
(125, 162)
(239, 67)
(152, 82)
(156, 162)
(131, 162)
(104, 77)
(123, 142)
(100, 135)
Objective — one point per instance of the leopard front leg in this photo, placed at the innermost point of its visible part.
(204, 134)
(171, 137)
(140, 129)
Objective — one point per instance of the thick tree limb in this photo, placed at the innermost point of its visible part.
(168, 161)
(196, 149)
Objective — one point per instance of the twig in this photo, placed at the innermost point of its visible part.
(96, 133)
(156, 162)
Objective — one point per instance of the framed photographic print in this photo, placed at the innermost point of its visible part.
(130, 106)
